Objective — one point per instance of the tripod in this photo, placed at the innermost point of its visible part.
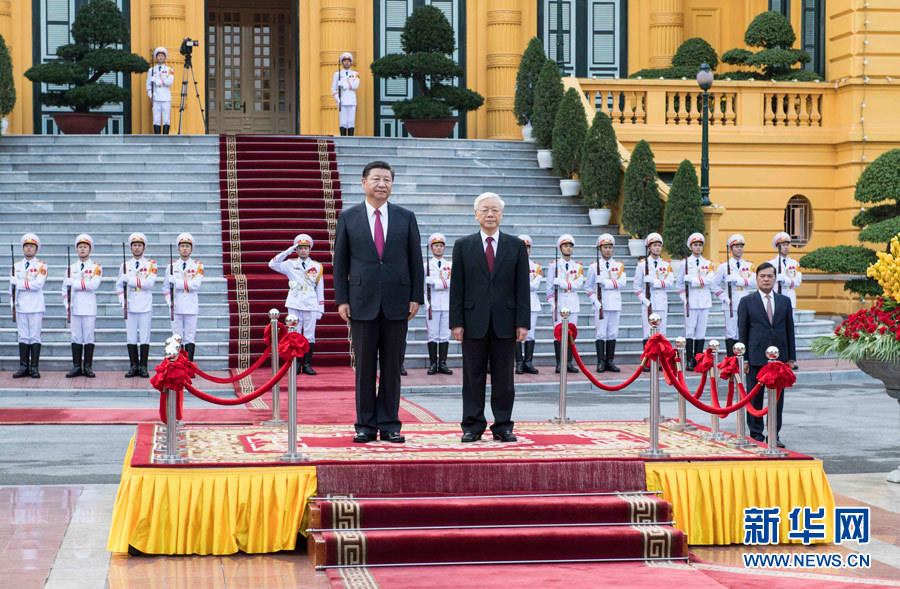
(189, 67)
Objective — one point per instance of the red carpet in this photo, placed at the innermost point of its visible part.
(101, 416)
(272, 188)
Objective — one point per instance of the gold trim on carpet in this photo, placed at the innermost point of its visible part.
(419, 412)
(346, 514)
(358, 578)
(641, 508)
(351, 548)
(657, 541)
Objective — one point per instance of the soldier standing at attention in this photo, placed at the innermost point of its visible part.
(694, 279)
(136, 280)
(437, 305)
(306, 298)
(606, 278)
(736, 278)
(525, 350)
(344, 84)
(183, 277)
(565, 276)
(788, 276)
(83, 278)
(26, 290)
(653, 276)
(159, 88)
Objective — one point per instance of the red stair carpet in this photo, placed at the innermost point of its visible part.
(272, 188)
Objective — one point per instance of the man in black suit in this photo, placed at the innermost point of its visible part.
(764, 320)
(378, 286)
(490, 310)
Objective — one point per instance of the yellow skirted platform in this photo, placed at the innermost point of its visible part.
(210, 510)
(710, 497)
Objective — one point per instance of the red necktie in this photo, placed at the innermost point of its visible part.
(379, 234)
(769, 308)
(489, 253)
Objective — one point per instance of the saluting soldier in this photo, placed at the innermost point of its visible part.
(306, 297)
(437, 281)
(736, 278)
(565, 276)
(656, 273)
(83, 278)
(525, 350)
(788, 276)
(184, 277)
(694, 278)
(27, 282)
(604, 285)
(135, 281)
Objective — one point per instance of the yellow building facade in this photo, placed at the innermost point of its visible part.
(781, 154)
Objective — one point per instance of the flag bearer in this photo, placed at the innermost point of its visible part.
(525, 350)
(83, 278)
(184, 277)
(736, 278)
(26, 289)
(437, 304)
(606, 278)
(134, 287)
(565, 276)
(694, 279)
(656, 273)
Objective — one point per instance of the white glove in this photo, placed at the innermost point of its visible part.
(122, 301)
(725, 300)
(695, 282)
(560, 282)
(67, 281)
(608, 285)
(337, 100)
(656, 283)
(732, 278)
(292, 284)
(683, 298)
(319, 315)
(644, 300)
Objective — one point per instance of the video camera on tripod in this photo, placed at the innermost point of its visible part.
(186, 49)
(187, 46)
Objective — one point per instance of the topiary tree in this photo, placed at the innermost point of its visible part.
(600, 164)
(428, 42)
(772, 32)
(569, 132)
(7, 84)
(98, 28)
(526, 80)
(547, 95)
(642, 211)
(694, 52)
(683, 211)
(878, 183)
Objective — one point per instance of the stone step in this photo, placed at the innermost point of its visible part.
(96, 176)
(374, 144)
(181, 164)
(351, 164)
(142, 198)
(48, 187)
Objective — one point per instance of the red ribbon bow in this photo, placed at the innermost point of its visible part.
(658, 348)
(557, 331)
(173, 375)
(267, 333)
(704, 361)
(776, 375)
(293, 345)
(728, 367)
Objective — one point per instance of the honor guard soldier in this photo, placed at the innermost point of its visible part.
(344, 84)
(26, 290)
(82, 281)
(437, 305)
(564, 278)
(606, 278)
(306, 298)
(787, 271)
(525, 350)
(653, 277)
(694, 278)
(736, 278)
(134, 286)
(183, 278)
(159, 88)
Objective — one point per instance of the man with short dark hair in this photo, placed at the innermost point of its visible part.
(764, 320)
(378, 287)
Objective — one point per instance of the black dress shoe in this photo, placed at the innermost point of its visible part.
(393, 437)
(402, 370)
(758, 437)
(779, 443)
(505, 436)
(470, 437)
(363, 438)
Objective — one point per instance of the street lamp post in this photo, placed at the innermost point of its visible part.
(705, 80)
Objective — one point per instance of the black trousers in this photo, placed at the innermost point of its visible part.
(758, 424)
(378, 342)
(476, 353)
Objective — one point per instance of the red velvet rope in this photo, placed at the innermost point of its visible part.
(658, 348)
(750, 408)
(597, 383)
(722, 411)
(704, 361)
(245, 399)
(776, 375)
(267, 338)
(172, 375)
(293, 345)
(573, 332)
(728, 367)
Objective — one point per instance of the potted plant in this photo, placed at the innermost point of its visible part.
(7, 86)
(600, 169)
(98, 28)
(684, 214)
(642, 209)
(569, 132)
(428, 42)
(526, 79)
(547, 95)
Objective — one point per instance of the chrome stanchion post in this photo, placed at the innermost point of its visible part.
(654, 451)
(681, 425)
(714, 433)
(772, 418)
(292, 455)
(740, 440)
(276, 390)
(172, 454)
(563, 362)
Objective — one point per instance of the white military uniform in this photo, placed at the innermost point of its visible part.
(658, 273)
(137, 282)
(741, 274)
(344, 84)
(437, 276)
(569, 280)
(185, 277)
(694, 283)
(535, 276)
(29, 279)
(85, 280)
(160, 78)
(306, 298)
(608, 283)
(787, 271)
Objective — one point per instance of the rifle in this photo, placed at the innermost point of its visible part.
(647, 284)
(780, 261)
(171, 284)
(427, 275)
(12, 277)
(125, 274)
(728, 284)
(687, 290)
(556, 288)
(69, 288)
(599, 292)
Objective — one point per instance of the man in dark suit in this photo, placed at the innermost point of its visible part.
(490, 310)
(765, 319)
(378, 286)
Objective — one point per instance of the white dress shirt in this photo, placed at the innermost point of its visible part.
(484, 237)
(384, 219)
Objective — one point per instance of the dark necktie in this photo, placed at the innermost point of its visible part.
(607, 264)
(439, 264)
(137, 265)
(489, 253)
(82, 266)
(26, 265)
(183, 266)
(303, 264)
(379, 234)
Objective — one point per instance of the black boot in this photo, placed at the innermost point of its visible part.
(529, 357)
(307, 361)
(610, 355)
(442, 358)
(570, 363)
(87, 368)
(24, 360)
(165, 129)
(647, 365)
(343, 132)
(403, 360)
(600, 345)
(351, 131)
(35, 360)
(157, 129)
(77, 350)
(729, 347)
(556, 347)
(432, 358)
(699, 348)
(520, 357)
(689, 361)
(133, 369)
(145, 355)
(190, 348)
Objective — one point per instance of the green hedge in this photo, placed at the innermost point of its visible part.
(569, 132)
(642, 210)
(601, 164)
(526, 80)
(684, 215)
(547, 95)
(771, 32)
(694, 52)
(7, 84)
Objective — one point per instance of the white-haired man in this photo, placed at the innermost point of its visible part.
(134, 286)
(26, 296)
(490, 310)
(82, 280)
(694, 277)
(183, 279)
(344, 85)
